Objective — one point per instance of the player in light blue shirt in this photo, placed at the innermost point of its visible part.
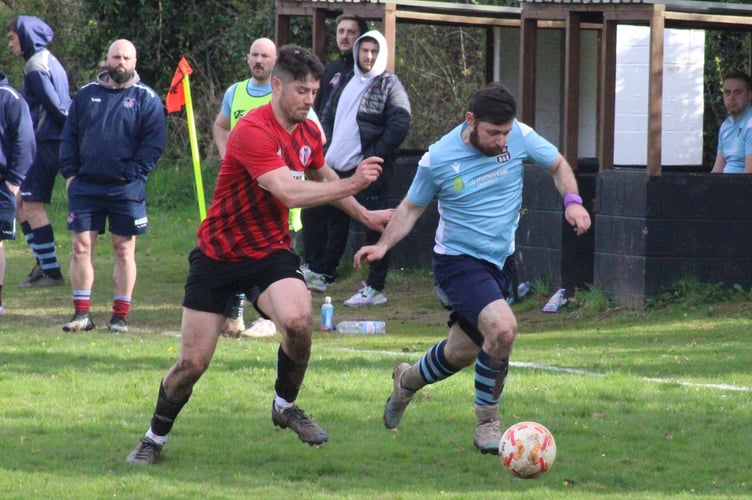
(475, 172)
(735, 135)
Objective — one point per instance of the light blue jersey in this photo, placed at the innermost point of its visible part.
(735, 142)
(479, 196)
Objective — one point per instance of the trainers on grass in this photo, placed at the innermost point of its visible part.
(44, 281)
(35, 273)
(117, 324)
(307, 429)
(316, 282)
(80, 322)
(366, 296)
(398, 401)
(145, 452)
(487, 430)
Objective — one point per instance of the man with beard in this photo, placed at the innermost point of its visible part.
(114, 135)
(476, 173)
(240, 98)
(45, 89)
(248, 94)
(244, 246)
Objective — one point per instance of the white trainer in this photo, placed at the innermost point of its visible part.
(366, 296)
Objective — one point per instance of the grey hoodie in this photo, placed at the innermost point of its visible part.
(345, 149)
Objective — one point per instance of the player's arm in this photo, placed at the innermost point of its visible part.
(401, 223)
(566, 184)
(294, 193)
(372, 219)
(221, 130)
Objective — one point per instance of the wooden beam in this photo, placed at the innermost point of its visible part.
(571, 125)
(318, 27)
(708, 19)
(528, 59)
(490, 60)
(455, 20)
(390, 34)
(607, 96)
(655, 91)
(282, 30)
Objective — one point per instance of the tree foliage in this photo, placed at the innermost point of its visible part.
(439, 65)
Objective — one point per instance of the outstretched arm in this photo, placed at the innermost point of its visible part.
(402, 221)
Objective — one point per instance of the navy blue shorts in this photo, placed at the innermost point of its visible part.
(91, 205)
(7, 213)
(466, 285)
(40, 179)
(211, 284)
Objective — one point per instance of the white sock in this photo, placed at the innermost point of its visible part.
(160, 440)
(282, 404)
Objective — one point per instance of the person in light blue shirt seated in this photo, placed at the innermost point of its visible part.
(735, 135)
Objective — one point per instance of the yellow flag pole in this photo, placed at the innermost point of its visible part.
(194, 148)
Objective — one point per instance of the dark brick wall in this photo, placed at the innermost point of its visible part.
(547, 247)
(653, 231)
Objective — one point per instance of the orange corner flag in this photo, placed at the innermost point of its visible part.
(176, 95)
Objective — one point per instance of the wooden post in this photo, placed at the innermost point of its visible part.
(571, 125)
(655, 90)
(390, 34)
(606, 95)
(528, 59)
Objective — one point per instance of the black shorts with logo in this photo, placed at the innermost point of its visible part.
(211, 284)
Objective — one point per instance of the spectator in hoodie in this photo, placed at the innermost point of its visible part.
(368, 114)
(17, 150)
(45, 89)
(349, 28)
(112, 139)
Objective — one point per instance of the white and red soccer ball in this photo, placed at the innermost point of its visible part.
(527, 449)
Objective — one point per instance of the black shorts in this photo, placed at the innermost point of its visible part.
(211, 284)
(40, 179)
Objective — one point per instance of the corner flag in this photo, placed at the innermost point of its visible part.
(178, 96)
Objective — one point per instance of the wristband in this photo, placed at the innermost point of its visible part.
(572, 199)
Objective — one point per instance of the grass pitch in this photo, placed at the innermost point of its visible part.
(645, 404)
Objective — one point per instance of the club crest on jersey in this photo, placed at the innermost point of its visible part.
(335, 79)
(129, 102)
(305, 155)
(505, 155)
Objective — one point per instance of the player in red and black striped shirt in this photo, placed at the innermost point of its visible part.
(244, 245)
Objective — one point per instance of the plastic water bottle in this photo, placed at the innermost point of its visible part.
(327, 313)
(523, 289)
(367, 327)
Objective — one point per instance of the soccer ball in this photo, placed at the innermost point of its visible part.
(527, 449)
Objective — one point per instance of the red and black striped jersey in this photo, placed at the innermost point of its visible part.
(244, 221)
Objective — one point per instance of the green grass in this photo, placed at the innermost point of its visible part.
(643, 404)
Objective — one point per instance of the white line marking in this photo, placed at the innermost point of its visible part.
(578, 371)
